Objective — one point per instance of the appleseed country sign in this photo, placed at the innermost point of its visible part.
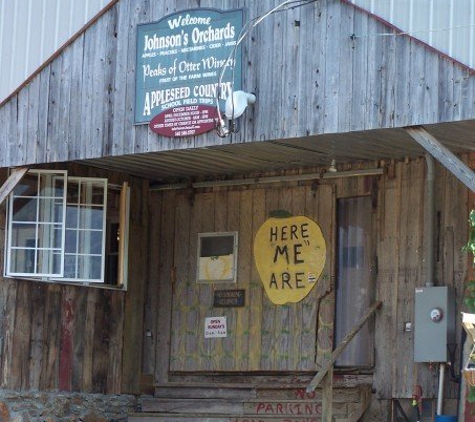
(178, 69)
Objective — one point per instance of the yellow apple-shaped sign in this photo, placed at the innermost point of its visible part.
(290, 255)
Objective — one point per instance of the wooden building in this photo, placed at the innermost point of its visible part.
(125, 310)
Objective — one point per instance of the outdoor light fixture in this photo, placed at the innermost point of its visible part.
(332, 168)
(237, 103)
(239, 100)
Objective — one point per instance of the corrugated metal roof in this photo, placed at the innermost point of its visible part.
(446, 25)
(31, 31)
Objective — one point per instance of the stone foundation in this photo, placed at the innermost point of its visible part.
(64, 407)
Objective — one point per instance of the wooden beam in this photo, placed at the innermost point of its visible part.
(13, 180)
(442, 154)
(341, 347)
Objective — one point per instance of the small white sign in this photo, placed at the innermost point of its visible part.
(216, 327)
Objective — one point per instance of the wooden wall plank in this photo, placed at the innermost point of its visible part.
(326, 216)
(268, 343)
(387, 285)
(232, 350)
(153, 289)
(115, 351)
(256, 296)
(9, 293)
(100, 344)
(240, 206)
(81, 340)
(50, 369)
(88, 341)
(204, 213)
(180, 241)
(167, 280)
(66, 340)
(135, 299)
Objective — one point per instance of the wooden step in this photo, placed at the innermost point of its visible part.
(218, 402)
(197, 391)
(222, 418)
(240, 408)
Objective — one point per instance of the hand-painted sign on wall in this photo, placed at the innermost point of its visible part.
(290, 255)
(178, 67)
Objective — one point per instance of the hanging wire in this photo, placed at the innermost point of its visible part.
(286, 5)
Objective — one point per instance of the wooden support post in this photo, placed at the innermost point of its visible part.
(13, 180)
(442, 154)
(327, 396)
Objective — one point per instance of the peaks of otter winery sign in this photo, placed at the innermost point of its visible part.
(179, 66)
(290, 255)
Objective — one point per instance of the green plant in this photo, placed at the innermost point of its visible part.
(470, 246)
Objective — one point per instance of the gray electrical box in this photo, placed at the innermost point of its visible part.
(434, 323)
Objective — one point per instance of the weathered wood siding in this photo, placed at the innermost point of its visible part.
(265, 337)
(76, 338)
(310, 74)
(261, 336)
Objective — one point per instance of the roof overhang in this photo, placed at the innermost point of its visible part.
(231, 160)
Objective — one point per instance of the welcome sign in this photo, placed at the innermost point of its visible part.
(178, 67)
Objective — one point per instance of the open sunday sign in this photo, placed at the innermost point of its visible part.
(178, 66)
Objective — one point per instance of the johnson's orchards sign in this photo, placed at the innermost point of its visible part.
(178, 67)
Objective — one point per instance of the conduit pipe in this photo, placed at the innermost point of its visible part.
(440, 396)
(430, 218)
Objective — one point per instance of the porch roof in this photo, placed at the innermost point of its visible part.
(315, 151)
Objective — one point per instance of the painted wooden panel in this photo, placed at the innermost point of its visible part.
(261, 335)
(353, 80)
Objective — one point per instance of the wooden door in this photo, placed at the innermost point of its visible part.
(260, 335)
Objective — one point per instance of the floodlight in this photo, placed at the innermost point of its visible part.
(237, 103)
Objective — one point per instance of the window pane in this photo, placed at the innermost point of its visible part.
(49, 236)
(70, 266)
(90, 268)
(90, 242)
(22, 235)
(28, 186)
(72, 217)
(48, 262)
(217, 245)
(85, 219)
(35, 229)
(216, 257)
(24, 209)
(22, 261)
(71, 241)
(51, 185)
(354, 279)
(91, 218)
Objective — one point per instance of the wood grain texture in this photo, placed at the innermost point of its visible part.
(81, 105)
(261, 335)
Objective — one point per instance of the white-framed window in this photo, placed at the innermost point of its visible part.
(58, 229)
(217, 257)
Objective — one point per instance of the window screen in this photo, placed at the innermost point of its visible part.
(354, 253)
